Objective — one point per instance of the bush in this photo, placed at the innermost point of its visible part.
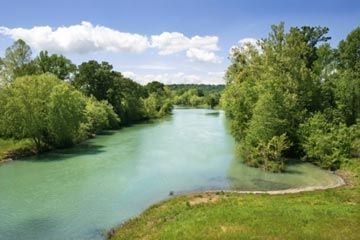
(325, 143)
(100, 115)
(156, 106)
(267, 155)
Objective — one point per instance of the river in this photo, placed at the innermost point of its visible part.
(82, 192)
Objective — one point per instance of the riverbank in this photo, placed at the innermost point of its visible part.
(11, 149)
(327, 214)
(14, 149)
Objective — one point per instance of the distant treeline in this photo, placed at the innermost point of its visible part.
(196, 95)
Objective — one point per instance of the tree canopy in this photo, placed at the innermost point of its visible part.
(277, 86)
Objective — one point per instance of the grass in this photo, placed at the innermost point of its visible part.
(11, 146)
(328, 214)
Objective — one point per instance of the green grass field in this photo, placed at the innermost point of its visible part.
(329, 214)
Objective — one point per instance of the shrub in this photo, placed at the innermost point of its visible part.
(325, 143)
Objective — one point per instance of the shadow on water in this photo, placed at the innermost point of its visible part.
(49, 224)
(215, 114)
(107, 133)
(86, 148)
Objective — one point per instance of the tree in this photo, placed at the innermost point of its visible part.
(270, 91)
(58, 65)
(95, 79)
(100, 115)
(16, 56)
(64, 114)
(349, 51)
(155, 87)
(43, 108)
(99, 80)
(347, 80)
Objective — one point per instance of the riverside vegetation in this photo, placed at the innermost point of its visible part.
(49, 102)
(291, 95)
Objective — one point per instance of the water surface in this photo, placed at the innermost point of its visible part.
(80, 193)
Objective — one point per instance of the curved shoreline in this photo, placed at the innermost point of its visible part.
(339, 183)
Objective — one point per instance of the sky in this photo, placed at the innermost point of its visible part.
(170, 41)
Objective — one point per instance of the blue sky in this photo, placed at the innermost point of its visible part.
(191, 39)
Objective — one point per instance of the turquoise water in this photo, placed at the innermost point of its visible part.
(81, 193)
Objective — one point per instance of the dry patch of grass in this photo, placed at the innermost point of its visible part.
(203, 199)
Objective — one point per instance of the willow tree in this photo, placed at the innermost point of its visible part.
(42, 108)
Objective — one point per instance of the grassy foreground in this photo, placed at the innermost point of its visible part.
(329, 214)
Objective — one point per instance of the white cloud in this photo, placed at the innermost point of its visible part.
(244, 44)
(154, 67)
(177, 78)
(86, 38)
(82, 38)
(129, 74)
(195, 54)
(197, 48)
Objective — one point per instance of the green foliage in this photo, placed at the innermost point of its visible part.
(272, 91)
(326, 143)
(16, 56)
(54, 114)
(349, 51)
(155, 87)
(196, 95)
(41, 108)
(64, 114)
(95, 79)
(99, 115)
(212, 100)
(58, 65)
(99, 80)
(158, 103)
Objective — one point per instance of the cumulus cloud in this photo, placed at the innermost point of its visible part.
(197, 48)
(82, 38)
(244, 44)
(177, 78)
(195, 54)
(86, 38)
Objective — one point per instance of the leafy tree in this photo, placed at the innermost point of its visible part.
(127, 98)
(43, 108)
(347, 80)
(349, 51)
(95, 79)
(16, 56)
(158, 103)
(100, 115)
(270, 91)
(64, 114)
(99, 80)
(155, 87)
(58, 65)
